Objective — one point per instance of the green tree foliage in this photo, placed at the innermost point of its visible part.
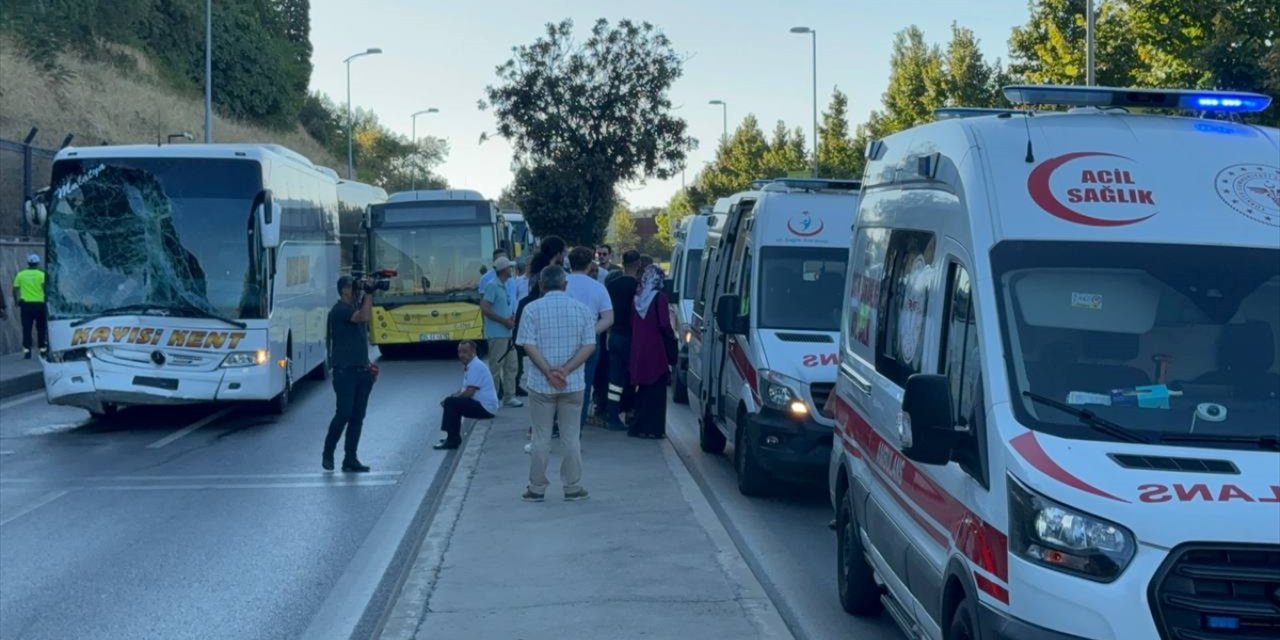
(679, 206)
(622, 230)
(381, 156)
(262, 50)
(1050, 48)
(837, 155)
(586, 117)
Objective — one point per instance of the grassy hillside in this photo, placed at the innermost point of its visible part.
(100, 102)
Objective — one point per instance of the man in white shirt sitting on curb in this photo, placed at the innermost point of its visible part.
(478, 398)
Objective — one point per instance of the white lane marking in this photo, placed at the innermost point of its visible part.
(7, 453)
(23, 399)
(35, 504)
(272, 485)
(50, 429)
(189, 428)
(244, 476)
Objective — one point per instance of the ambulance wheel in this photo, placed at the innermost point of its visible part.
(753, 480)
(709, 436)
(964, 624)
(680, 390)
(858, 592)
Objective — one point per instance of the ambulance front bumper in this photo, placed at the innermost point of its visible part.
(791, 449)
(995, 625)
(94, 384)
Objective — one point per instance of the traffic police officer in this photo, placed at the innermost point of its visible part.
(28, 294)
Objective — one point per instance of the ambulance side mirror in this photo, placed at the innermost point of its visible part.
(926, 427)
(728, 318)
(669, 287)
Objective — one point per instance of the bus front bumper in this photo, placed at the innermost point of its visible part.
(93, 385)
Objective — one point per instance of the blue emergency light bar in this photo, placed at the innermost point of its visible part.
(810, 184)
(1217, 101)
(952, 113)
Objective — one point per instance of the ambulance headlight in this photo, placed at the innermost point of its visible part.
(245, 358)
(1056, 536)
(780, 392)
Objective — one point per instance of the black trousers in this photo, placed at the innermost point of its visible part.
(621, 391)
(604, 373)
(455, 409)
(352, 386)
(34, 317)
(651, 409)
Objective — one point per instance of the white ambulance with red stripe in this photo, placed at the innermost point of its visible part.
(763, 344)
(1058, 401)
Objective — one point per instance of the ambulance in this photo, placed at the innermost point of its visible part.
(682, 287)
(1058, 402)
(763, 346)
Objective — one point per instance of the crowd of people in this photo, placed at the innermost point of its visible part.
(588, 341)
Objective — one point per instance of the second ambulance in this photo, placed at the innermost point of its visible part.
(1058, 406)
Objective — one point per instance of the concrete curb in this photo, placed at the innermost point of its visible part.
(753, 598)
(19, 385)
(414, 598)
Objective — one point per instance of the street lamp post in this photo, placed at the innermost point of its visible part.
(350, 155)
(208, 71)
(724, 120)
(814, 34)
(1090, 30)
(414, 118)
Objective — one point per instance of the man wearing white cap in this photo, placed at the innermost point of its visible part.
(28, 295)
(499, 311)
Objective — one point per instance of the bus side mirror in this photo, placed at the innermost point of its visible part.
(268, 214)
(357, 257)
(925, 426)
(36, 213)
(728, 319)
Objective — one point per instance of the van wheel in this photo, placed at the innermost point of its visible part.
(964, 624)
(752, 479)
(858, 592)
(709, 436)
(280, 403)
(680, 390)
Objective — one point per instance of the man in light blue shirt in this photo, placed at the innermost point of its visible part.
(490, 275)
(498, 305)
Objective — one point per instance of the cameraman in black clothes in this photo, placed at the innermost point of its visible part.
(352, 375)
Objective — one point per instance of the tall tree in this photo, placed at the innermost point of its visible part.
(597, 114)
(916, 84)
(966, 74)
(783, 155)
(1050, 48)
(837, 157)
(737, 163)
(622, 229)
(679, 207)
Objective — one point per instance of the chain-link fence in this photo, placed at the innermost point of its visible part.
(24, 170)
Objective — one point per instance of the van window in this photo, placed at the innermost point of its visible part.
(801, 288)
(960, 361)
(864, 291)
(744, 284)
(904, 298)
(700, 296)
(676, 261)
(692, 275)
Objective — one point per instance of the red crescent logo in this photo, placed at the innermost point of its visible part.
(1038, 187)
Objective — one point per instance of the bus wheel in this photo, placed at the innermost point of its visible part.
(753, 480)
(280, 403)
(109, 412)
(709, 436)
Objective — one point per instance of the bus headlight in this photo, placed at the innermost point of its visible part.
(245, 358)
(1056, 536)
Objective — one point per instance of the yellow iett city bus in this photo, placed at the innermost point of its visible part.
(437, 243)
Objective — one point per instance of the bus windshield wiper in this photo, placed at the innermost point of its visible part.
(1091, 419)
(124, 310)
(192, 311)
(1261, 442)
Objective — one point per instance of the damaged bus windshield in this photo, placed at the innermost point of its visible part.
(163, 233)
(436, 248)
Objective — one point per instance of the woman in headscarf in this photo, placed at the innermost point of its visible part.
(652, 339)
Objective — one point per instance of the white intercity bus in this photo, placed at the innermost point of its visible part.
(187, 274)
(354, 200)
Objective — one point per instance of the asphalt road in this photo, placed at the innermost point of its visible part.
(195, 522)
(785, 539)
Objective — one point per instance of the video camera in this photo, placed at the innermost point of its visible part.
(381, 279)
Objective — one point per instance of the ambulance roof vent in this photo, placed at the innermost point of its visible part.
(786, 185)
(1187, 99)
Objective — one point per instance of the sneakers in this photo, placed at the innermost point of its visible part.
(513, 403)
(530, 496)
(574, 496)
(326, 461)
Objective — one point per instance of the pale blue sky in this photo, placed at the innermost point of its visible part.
(443, 54)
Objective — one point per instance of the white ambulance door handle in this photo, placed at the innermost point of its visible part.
(860, 383)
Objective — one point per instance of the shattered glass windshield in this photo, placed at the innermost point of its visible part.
(433, 263)
(169, 233)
